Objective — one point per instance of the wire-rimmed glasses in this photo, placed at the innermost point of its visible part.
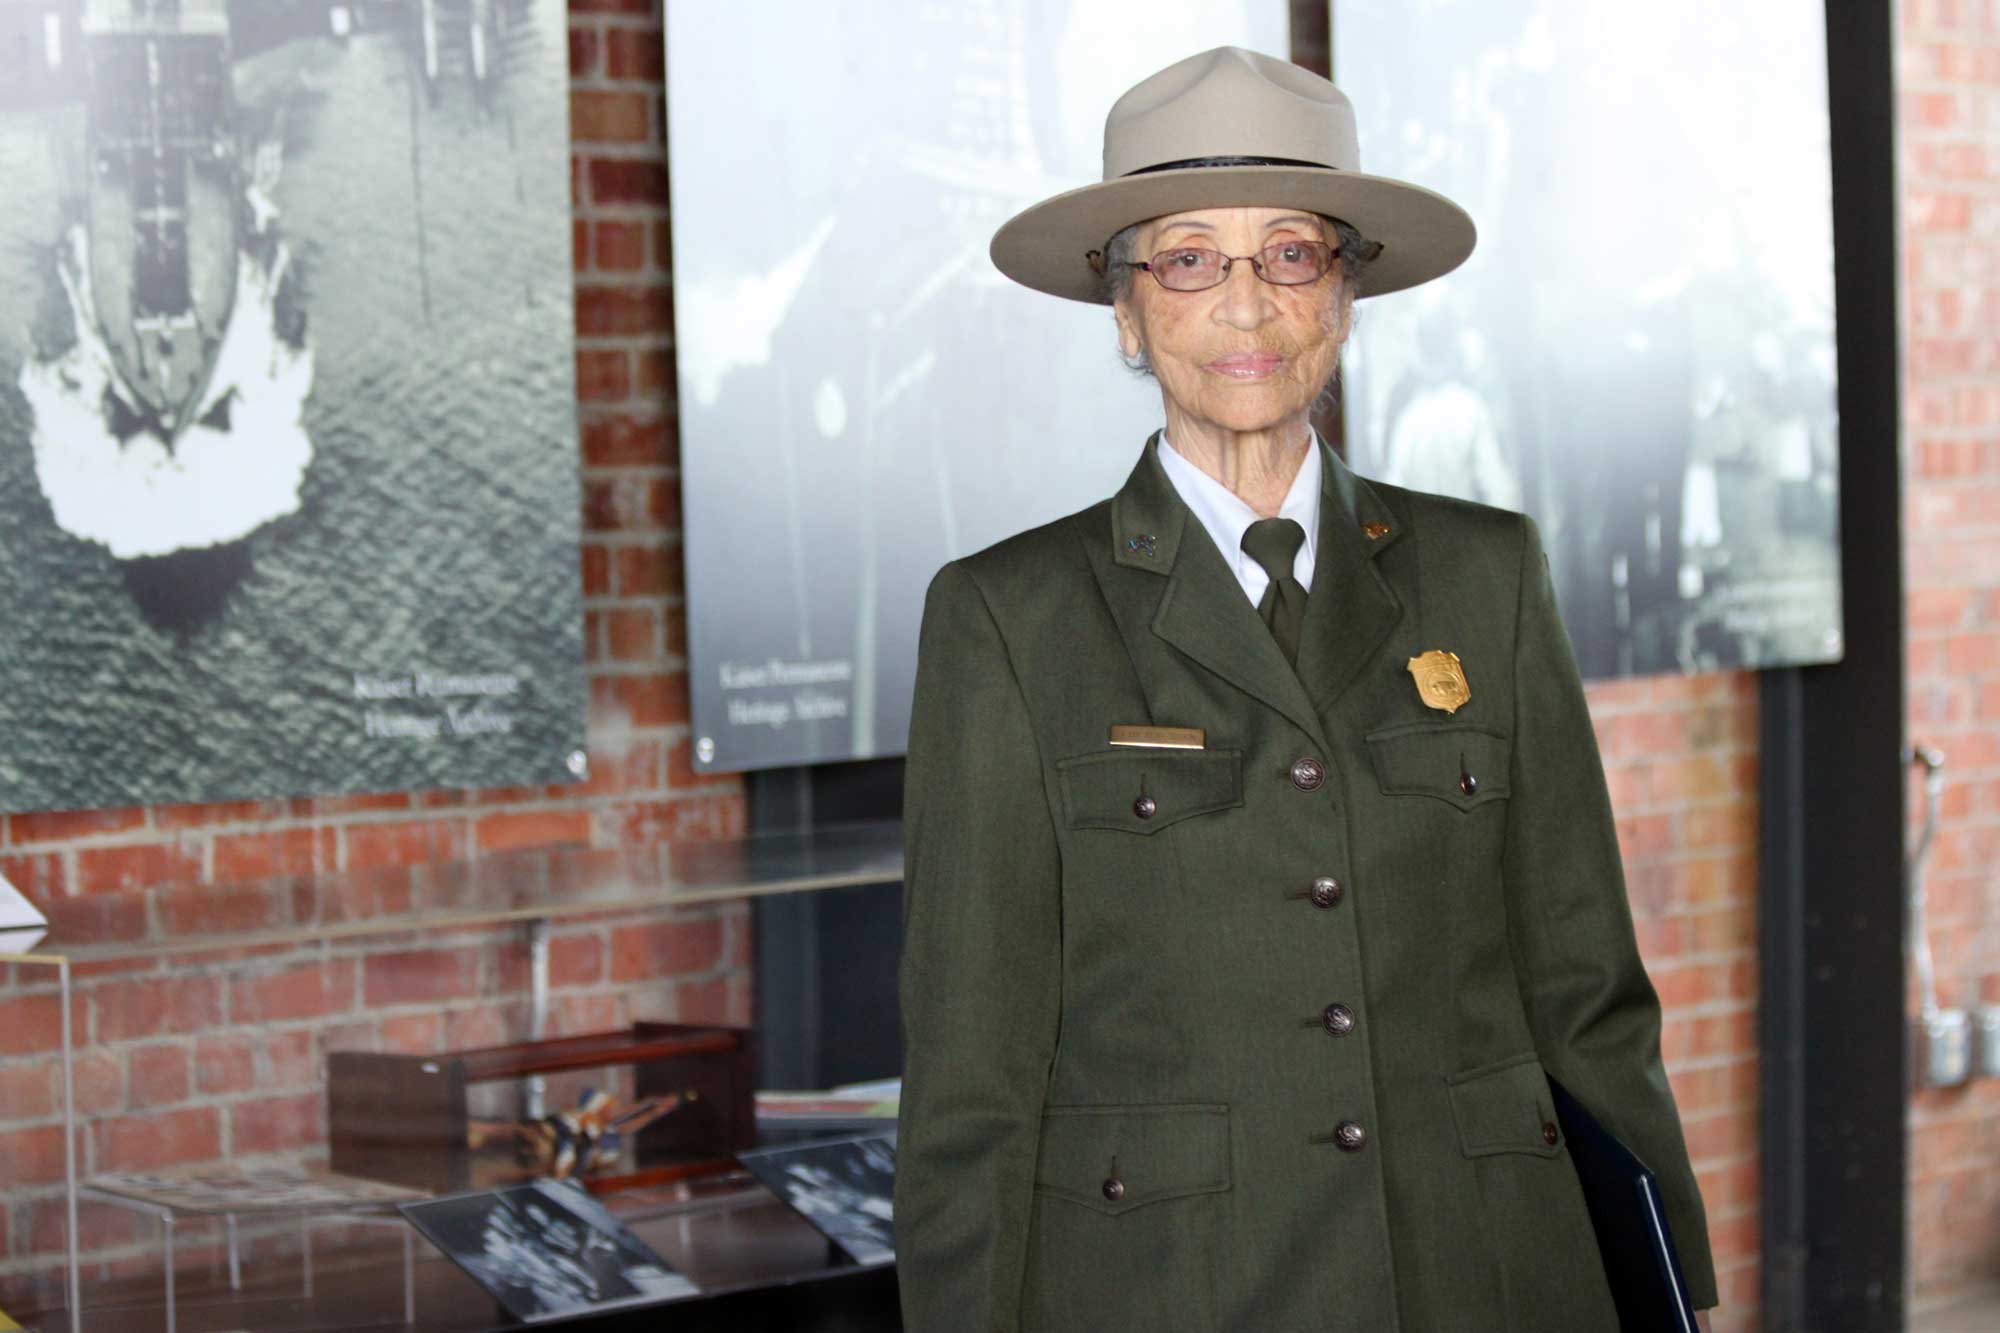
(1193, 268)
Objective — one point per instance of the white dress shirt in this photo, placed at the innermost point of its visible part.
(1226, 517)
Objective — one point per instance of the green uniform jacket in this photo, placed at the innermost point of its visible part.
(1125, 1088)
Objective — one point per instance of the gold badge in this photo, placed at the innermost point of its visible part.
(1375, 532)
(1440, 680)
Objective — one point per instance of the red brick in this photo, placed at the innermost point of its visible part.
(665, 949)
(309, 990)
(143, 866)
(656, 374)
(624, 439)
(621, 246)
(293, 851)
(626, 180)
(414, 1034)
(275, 1124)
(639, 701)
(596, 571)
(419, 976)
(603, 374)
(631, 308)
(224, 911)
(634, 53)
(620, 116)
(663, 244)
(415, 842)
(33, 1023)
(583, 47)
(225, 1064)
(647, 569)
(291, 1059)
(31, 1156)
(541, 828)
(29, 1090)
(579, 244)
(159, 1076)
(630, 502)
(156, 1006)
(157, 1139)
(613, 6)
(42, 876)
(472, 1029)
(100, 1083)
(632, 634)
(576, 960)
(71, 825)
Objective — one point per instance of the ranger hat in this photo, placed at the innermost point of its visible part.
(1232, 127)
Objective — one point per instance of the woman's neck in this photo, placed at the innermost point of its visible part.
(1258, 466)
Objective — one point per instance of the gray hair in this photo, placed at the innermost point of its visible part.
(1121, 251)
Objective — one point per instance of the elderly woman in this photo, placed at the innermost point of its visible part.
(1260, 866)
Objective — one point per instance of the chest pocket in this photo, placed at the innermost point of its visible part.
(1460, 763)
(1146, 790)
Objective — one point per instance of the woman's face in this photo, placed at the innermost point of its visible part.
(1246, 355)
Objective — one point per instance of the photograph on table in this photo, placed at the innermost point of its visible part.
(845, 1187)
(288, 461)
(547, 1250)
(1640, 352)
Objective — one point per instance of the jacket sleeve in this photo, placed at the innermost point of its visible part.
(980, 975)
(1595, 1017)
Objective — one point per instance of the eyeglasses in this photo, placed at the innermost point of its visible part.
(1285, 264)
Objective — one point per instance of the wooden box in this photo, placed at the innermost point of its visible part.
(405, 1118)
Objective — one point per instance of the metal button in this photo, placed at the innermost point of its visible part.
(1350, 1137)
(1145, 807)
(1550, 1133)
(1326, 891)
(1114, 1189)
(1468, 784)
(1338, 1018)
(1308, 773)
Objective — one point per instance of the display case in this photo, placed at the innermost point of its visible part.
(408, 1119)
(284, 1023)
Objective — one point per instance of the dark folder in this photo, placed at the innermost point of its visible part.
(1640, 1262)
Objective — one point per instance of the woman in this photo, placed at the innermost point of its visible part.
(1260, 866)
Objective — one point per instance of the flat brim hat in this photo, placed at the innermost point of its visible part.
(1232, 127)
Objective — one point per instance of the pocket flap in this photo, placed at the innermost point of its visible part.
(1103, 789)
(1112, 1159)
(1505, 1107)
(1436, 759)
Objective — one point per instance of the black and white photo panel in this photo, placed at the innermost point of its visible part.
(1640, 353)
(288, 465)
(845, 1187)
(546, 1250)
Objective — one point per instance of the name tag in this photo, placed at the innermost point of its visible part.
(1161, 738)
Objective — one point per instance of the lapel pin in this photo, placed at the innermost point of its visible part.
(1375, 532)
(1143, 544)
(1440, 678)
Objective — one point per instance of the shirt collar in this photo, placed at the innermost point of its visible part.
(1225, 516)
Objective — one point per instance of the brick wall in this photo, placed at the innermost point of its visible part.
(1948, 76)
(198, 1059)
(1681, 757)
(194, 1065)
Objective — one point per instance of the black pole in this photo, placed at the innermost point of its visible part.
(1834, 1071)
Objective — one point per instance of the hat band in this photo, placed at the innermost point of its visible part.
(1187, 162)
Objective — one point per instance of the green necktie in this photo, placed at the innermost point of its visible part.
(1274, 544)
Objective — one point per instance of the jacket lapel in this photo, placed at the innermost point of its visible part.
(1352, 608)
(1189, 598)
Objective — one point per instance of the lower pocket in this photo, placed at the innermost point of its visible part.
(1126, 1217)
